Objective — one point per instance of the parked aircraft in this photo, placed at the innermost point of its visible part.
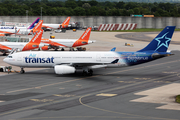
(68, 62)
(6, 47)
(67, 43)
(65, 24)
(29, 27)
(21, 30)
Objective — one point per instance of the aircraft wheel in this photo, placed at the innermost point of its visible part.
(4, 54)
(22, 71)
(90, 72)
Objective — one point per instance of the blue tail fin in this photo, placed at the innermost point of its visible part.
(113, 49)
(34, 24)
(161, 42)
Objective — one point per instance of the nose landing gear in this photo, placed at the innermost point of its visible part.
(22, 70)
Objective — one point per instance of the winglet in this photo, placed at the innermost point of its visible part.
(38, 26)
(115, 61)
(113, 49)
(33, 24)
(35, 41)
(65, 23)
(161, 42)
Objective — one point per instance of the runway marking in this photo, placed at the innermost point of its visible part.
(59, 95)
(2, 101)
(90, 77)
(42, 100)
(127, 81)
(106, 95)
(170, 72)
(142, 78)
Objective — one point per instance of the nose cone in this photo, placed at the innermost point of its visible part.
(5, 60)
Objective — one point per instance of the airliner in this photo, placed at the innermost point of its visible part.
(67, 43)
(29, 27)
(18, 30)
(6, 47)
(65, 24)
(68, 62)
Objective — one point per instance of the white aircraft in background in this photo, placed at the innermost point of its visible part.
(21, 30)
(16, 27)
(67, 43)
(68, 62)
(6, 47)
(65, 24)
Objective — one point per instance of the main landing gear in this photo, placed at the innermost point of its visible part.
(22, 70)
(87, 72)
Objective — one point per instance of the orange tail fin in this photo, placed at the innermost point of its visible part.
(38, 26)
(65, 23)
(35, 41)
(86, 34)
(83, 40)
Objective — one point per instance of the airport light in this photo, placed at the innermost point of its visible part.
(41, 13)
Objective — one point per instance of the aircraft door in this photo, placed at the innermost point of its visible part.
(98, 57)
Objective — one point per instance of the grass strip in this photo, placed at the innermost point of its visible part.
(178, 98)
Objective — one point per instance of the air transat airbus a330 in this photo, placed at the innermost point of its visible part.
(68, 62)
(67, 43)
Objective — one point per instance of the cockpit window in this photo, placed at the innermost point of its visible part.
(9, 56)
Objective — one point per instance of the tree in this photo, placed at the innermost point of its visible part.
(79, 11)
(86, 6)
(94, 11)
(70, 4)
(120, 5)
(93, 3)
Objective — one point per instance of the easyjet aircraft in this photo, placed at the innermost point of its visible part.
(67, 43)
(68, 62)
(65, 24)
(22, 30)
(6, 47)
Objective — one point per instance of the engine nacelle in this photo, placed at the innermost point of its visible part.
(45, 48)
(64, 69)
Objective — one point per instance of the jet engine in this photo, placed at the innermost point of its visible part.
(45, 48)
(64, 69)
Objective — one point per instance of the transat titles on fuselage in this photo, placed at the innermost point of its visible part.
(34, 59)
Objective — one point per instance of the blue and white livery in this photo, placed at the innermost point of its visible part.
(68, 62)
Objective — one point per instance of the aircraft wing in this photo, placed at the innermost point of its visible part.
(51, 43)
(97, 64)
(3, 47)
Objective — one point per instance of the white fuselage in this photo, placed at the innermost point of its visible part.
(53, 26)
(50, 59)
(22, 31)
(66, 42)
(18, 45)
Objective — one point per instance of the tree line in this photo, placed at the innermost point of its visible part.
(86, 8)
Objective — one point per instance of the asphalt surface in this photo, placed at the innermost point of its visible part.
(141, 36)
(107, 95)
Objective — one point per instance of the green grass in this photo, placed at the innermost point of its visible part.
(178, 98)
(140, 30)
